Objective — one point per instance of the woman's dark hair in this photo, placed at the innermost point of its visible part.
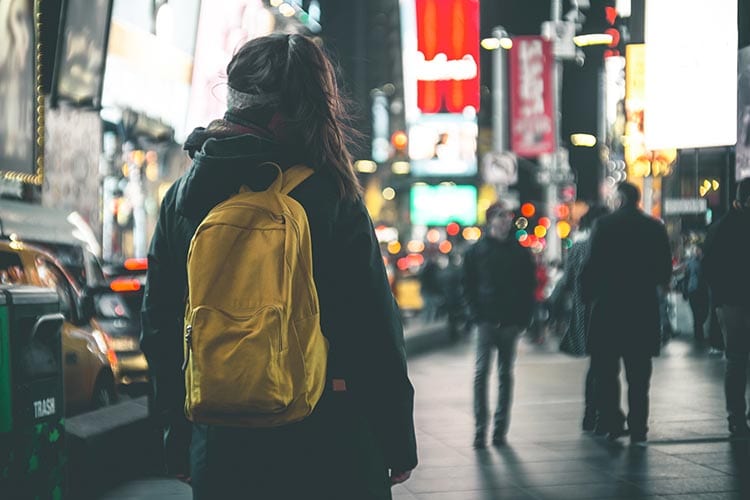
(296, 71)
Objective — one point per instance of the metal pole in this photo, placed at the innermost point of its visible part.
(554, 251)
(499, 82)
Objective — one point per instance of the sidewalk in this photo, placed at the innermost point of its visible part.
(688, 456)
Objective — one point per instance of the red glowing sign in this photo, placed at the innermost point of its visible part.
(532, 116)
(447, 64)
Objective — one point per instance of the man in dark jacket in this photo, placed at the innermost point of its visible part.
(499, 285)
(726, 264)
(629, 259)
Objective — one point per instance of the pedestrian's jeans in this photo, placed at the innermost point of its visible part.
(503, 338)
(735, 324)
(606, 366)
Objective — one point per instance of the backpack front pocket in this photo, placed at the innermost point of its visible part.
(238, 362)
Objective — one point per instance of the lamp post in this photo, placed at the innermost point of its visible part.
(556, 166)
(499, 167)
(499, 91)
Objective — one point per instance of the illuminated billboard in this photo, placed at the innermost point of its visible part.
(444, 203)
(440, 40)
(532, 119)
(443, 145)
(690, 74)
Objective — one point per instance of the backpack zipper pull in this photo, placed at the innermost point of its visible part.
(189, 342)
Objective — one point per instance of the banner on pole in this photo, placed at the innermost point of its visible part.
(531, 100)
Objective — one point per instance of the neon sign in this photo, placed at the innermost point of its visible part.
(447, 68)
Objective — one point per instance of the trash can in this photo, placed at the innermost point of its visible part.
(32, 454)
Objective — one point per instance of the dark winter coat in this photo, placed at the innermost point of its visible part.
(726, 259)
(629, 258)
(499, 281)
(575, 338)
(346, 446)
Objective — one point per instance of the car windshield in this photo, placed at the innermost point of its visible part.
(82, 265)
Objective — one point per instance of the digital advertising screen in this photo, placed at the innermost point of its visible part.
(444, 203)
(443, 145)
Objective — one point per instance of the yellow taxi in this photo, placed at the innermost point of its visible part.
(96, 363)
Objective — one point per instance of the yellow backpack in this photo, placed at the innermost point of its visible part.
(255, 355)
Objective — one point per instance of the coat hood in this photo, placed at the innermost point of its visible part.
(223, 165)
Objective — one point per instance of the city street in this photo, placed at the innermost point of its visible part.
(688, 455)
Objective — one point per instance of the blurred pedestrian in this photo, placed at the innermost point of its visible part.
(431, 289)
(499, 284)
(575, 339)
(455, 302)
(629, 260)
(727, 270)
(284, 107)
(715, 336)
(695, 291)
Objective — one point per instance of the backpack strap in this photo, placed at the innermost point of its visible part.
(295, 176)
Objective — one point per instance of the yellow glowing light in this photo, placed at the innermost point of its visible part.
(715, 185)
(583, 140)
(471, 233)
(445, 246)
(152, 171)
(415, 246)
(592, 39)
(365, 166)
(400, 167)
(286, 10)
(506, 43)
(276, 3)
(433, 235)
(389, 193)
(540, 231)
(491, 43)
(563, 229)
(394, 247)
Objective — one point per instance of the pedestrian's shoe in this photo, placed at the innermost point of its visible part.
(638, 440)
(739, 429)
(600, 430)
(617, 434)
(499, 441)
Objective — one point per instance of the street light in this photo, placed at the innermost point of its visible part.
(495, 42)
(583, 140)
(499, 40)
(593, 39)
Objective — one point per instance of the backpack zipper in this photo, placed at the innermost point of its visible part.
(189, 342)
